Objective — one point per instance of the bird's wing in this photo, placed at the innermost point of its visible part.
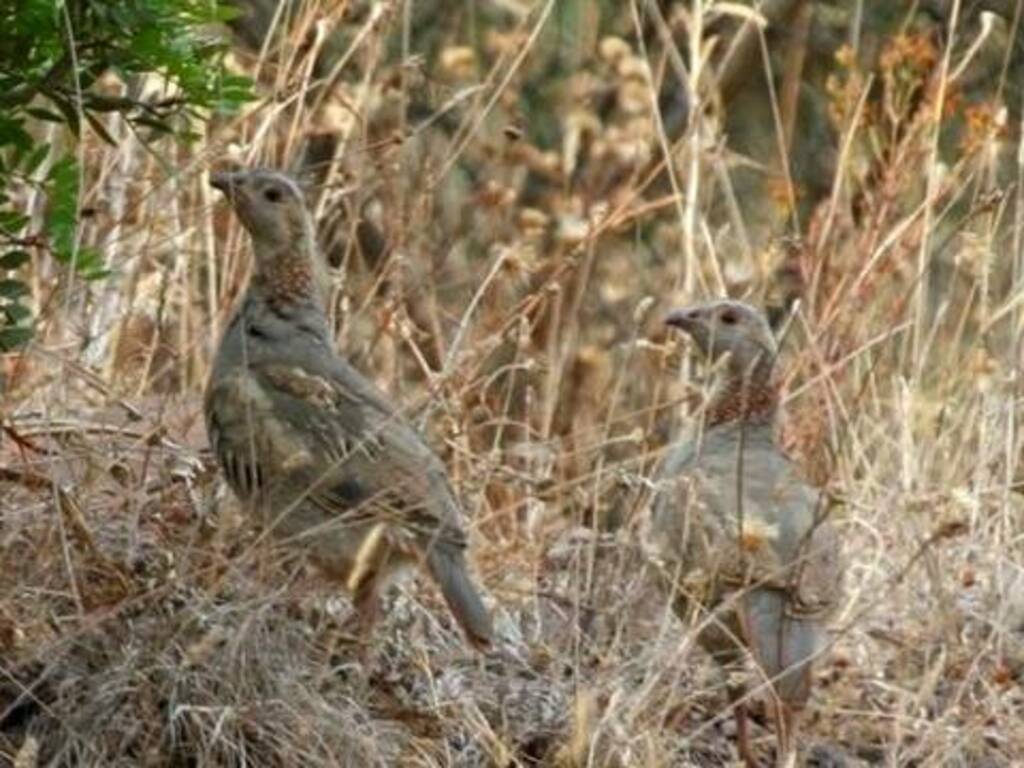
(361, 453)
(685, 534)
(244, 433)
(795, 548)
(741, 521)
(663, 532)
(818, 570)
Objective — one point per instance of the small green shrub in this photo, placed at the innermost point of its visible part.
(52, 55)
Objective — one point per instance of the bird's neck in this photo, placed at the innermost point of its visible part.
(290, 275)
(749, 397)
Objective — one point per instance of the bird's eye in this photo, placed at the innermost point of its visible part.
(729, 317)
(272, 194)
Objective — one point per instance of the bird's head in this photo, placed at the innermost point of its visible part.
(269, 204)
(728, 327)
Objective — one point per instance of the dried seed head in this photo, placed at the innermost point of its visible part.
(458, 62)
(613, 49)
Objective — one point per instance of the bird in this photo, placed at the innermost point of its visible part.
(741, 544)
(307, 443)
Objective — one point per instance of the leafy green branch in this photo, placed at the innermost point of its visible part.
(53, 54)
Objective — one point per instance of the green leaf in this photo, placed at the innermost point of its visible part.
(224, 12)
(70, 114)
(61, 221)
(12, 338)
(12, 222)
(39, 113)
(31, 163)
(89, 264)
(16, 313)
(12, 289)
(13, 259)
(101, 131)
(12, 133)
(157, 125)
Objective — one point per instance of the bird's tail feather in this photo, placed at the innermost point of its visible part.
(448, 567)
(785, 645)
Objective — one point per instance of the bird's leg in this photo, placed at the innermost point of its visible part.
(743, 736)
(739, 707)
(738, 696)
(367, 605)
(358, 627)
(365, 580)
(785, 732)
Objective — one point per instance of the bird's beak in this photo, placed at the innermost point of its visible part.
(683, 319)
(225, 181)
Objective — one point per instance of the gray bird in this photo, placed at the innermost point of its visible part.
(306, 442)
(739, 541)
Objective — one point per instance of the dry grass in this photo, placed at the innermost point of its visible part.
(510, 294)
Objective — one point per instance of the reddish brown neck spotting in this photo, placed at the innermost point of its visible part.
(288, 277)
(752, 399)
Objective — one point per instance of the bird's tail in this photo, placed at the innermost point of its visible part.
(448, 567)
(785, 645)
